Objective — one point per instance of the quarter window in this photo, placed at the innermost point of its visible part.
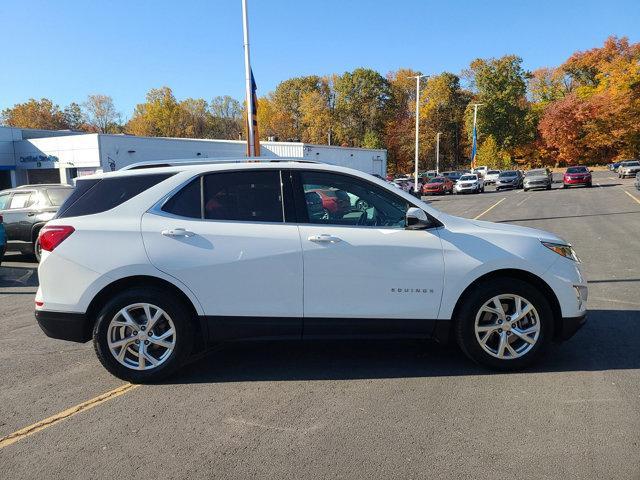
(4, 199)
(345, 200)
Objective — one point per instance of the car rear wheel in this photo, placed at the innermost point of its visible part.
(504, 324)
(143, 335)
(37, 249)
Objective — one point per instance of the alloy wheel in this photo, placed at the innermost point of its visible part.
(141, 336)
(507, 326)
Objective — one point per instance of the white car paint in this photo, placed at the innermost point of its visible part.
(474, 183)
(246, 269)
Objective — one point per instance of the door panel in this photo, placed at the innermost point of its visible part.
(371, 273)
(362, 263)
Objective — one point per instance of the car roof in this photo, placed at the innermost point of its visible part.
(36, 186)
(224, 165)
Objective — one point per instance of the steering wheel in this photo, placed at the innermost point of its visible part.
(362, 221)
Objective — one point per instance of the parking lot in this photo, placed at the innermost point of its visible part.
(347, 409)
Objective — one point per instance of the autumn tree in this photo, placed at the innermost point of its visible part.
(226, 121)
(40, 114)
(159, 116)
(101, 113)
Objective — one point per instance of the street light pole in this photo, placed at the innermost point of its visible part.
(247, 76)
(438, 153)
(415, 173)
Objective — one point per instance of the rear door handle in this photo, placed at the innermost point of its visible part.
(324, 238)
(177, 232)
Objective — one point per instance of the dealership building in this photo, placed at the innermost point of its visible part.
(58, 156)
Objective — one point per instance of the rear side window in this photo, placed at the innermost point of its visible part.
(254, 196)
(99, 195)
(57, 196)
(187, 202)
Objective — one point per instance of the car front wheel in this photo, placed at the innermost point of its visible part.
(143, 335)
(505, 324)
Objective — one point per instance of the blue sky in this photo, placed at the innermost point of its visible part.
(67, 49)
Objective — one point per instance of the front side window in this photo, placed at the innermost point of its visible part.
(345, 200)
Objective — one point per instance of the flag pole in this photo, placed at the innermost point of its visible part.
(417, 152)
(248, 86)
(474, 146)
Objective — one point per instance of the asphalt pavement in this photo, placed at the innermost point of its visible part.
(352, 409)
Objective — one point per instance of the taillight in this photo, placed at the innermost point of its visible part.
(52, 236)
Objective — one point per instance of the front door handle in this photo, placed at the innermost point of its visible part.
(324, 238)
(177, 232)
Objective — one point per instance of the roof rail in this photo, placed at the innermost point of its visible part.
(177, 163)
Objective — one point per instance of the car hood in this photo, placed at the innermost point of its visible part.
(535, 178)
(507, 179)
(482, 227)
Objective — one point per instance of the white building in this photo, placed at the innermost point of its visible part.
(46, 156)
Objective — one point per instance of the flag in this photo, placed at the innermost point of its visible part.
(254, 119)
(474, 148)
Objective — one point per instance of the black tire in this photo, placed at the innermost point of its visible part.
(466, 315)
(564, 186)
(37, 250)
(548, 187)
(526, 189)
(589, 185)
(180, 315)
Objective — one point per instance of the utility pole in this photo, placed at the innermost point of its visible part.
(438, 153)
(248, 86)
(415, 175)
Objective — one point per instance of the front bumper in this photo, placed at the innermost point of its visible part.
(537, 184)
(506, 185)
(64, 325)
(577, 181)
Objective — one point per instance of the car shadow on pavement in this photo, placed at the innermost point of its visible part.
(609, 341)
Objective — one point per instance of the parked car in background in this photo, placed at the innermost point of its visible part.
(154, 274)
(335, 203)
(437, 186)
(628, 169)
(3, 240)
(613, 166)
(454, 176)
(576, 176)
(538, 178)
(429, 174)
(404, 183)
(491, 177)
(482, 170)
(469, 183)
(509, 179)
(26, 209)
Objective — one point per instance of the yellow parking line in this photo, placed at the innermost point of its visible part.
(68, 413)
(490, 208)
(632, 196)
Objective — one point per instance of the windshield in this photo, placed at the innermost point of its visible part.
(469, 177)
(577, 170)
(533, 173)
(437, 180)
(631, 164)
(508, 173)
(493, 172)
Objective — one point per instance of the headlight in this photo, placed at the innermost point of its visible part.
(564, 250)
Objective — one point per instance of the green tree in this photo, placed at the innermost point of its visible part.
(159, 116)
(226, 120)
(74, 117)
(362, 104)
(501, 86)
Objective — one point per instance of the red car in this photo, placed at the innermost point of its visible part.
(576, 176)
(437, 186)
(336, 203)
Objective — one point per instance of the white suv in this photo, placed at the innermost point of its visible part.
(155, 264)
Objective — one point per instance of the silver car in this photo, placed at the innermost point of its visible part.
(628, 169)
(538, 178)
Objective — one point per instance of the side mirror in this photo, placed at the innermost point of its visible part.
(416, 219)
